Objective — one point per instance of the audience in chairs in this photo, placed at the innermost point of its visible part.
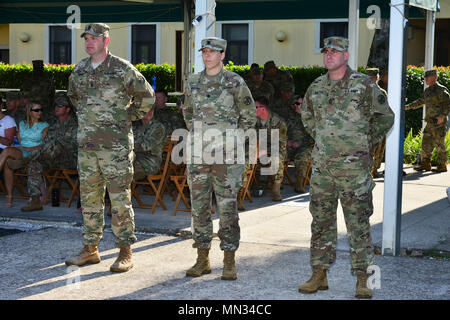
(32, 132)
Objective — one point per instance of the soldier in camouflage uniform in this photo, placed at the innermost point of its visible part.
(170, 119)
(299, 144)
(149, 139)
(346, 114)
(219, 100)
(258, 87)
(59, 150)
(377, 150)
(108, 93)
(41, 89)
(276, 77)
(282, 105)
(437, 105)
(269, 121)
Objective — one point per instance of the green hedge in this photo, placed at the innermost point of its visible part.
(11, 76)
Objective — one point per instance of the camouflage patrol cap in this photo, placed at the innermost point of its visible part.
(62, 99)
(269, 65)
(96, 29)
(372, 72)
(214, 43)
(287, 87)
(430, 72)
(338, 43)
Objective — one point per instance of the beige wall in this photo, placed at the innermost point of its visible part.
(444, 12)
(20, 52)
(168, 41)
(298, 48)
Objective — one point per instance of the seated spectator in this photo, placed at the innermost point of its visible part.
(170, 119)
(149, 139)
(7, 130)
(299, 144)
(269, 121)
(32, 132)
(258, 87)
(276, 77)
(59, 150)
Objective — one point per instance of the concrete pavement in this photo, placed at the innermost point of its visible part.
(272, 261)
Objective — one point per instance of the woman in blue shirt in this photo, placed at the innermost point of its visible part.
(32, 132)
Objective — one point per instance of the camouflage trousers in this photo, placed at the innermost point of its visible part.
(113, 170)
(434, 136)
(225, 180)
(301, 160)
(378, 154)
(48, 156)
(354, 189)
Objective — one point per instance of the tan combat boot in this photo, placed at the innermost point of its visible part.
(88, 255)
(276, 193)
(318, 281)
(16, 164)
(202, 265)
(362, 290)
(229, 266)
(123, 262)
(442, 167)
(240, 199)
(299, 188)
(34, 205)
(425, 166)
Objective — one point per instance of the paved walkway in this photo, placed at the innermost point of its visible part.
(272, 261)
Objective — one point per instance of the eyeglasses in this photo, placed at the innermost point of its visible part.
(36, 110)
(296, 103)
(59, 105)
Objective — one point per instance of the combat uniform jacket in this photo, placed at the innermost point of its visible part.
(345, 118)
(274, 122)
(437, 101)
(41, 89)
(296, 132)
(149, 140)
(283, 108)
(219, 102)
(107, 99)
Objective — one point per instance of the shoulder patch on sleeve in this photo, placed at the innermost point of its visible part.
(247, 100)
(381, 99)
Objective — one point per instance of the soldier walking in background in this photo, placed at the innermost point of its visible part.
(346, 114)
(217, 99)
(437, 105)
(108, 93)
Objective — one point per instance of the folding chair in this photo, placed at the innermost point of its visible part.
(180, 185)
(250, 179)
(286, 173)
(160, 179)
(56, 177)
(20, 182)
(307, 175)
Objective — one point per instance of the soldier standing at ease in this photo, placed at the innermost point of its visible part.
(149, 139)
(220, 100)
(59, 150)
(437, 105)
(108, 93)
(346, 114)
